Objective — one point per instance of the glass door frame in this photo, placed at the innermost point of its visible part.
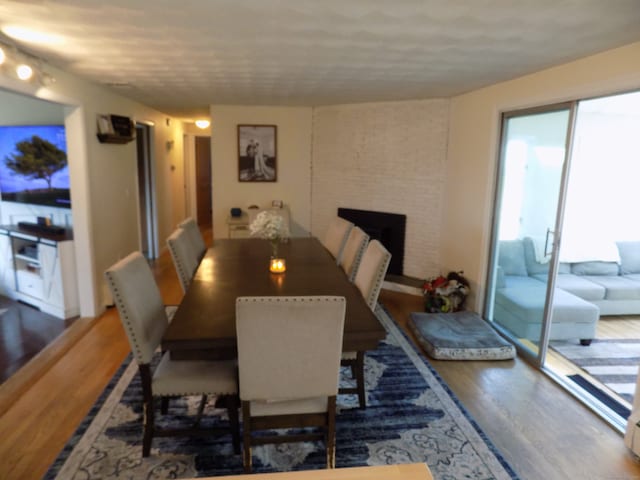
(570, 106)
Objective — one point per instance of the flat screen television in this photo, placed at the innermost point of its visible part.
(33, 165)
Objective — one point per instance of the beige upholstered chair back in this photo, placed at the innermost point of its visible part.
(190, 226)
(139, 304)
(336, 236)
(371, 272)
(353, 251)
(289, 347)
(184, 256)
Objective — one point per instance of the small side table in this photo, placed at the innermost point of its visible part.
(238, 226)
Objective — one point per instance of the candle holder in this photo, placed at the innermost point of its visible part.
(277, 265)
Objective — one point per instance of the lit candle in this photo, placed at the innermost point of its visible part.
(278, 265)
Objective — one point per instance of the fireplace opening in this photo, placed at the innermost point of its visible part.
(387, 228)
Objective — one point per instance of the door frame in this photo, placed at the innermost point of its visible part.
(151, 211)
(536, 359)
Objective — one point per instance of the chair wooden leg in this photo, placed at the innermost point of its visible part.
(147, 409)
(331, 433)
(246, 435)
(362, 397)
(148, 421)
(232, 410)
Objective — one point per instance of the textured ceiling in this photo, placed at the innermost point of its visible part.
(182, 56)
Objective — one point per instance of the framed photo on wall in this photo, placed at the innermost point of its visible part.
(257, 153)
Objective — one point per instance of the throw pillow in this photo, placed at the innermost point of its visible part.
(629, 257)
(511, 257)
(533, 266)
(595, 268)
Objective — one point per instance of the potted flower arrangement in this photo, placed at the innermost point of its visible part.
(270, 226)
(445, 294)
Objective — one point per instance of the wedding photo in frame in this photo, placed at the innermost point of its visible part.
(257, 153)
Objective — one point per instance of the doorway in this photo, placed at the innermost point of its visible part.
(203, 181)
(146, 199)
(527, 223)
(562, 282)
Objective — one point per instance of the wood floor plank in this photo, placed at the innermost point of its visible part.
(540, 430)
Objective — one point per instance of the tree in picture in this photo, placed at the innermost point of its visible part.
(37, 159)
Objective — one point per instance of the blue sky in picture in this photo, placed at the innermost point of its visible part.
(10, 136)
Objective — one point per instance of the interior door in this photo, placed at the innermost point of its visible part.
(203, 181)
(528, 210)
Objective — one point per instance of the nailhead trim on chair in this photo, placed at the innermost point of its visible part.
(375, 291)
(302, 299)
(185, 280)
(358, 259)
(122, 309)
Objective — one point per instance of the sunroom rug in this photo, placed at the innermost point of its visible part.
(411, 416)
(614, 362)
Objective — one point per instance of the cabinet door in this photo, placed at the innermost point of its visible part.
(7, 274)
(53, 292)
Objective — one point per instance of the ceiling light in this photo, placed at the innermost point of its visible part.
(2, 56)
(202, 123)
(24, 71)
(32, 36)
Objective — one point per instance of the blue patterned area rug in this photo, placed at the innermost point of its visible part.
(411, 416)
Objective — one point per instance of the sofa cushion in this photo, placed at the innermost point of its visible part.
(617, 287)
(595, 268)
(500, 281)
(533, 266)
(578, 285)
(629, 257)
(517, 281)
(634, 277)
(529, 303)
(511, 257)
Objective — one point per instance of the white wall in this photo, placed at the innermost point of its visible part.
(103, 178)
(293, 163)
(473, 146)
(388, 157)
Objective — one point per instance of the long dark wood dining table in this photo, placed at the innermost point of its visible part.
(203, 327)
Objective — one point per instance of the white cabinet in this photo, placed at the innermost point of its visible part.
(238, 226)
(39, 271)
(7, 274)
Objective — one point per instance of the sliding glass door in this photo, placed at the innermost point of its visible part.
(528, 210)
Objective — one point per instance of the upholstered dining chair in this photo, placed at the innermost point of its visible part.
(368, 279)
(184, 256)
(195, 237)
(336, 236)
(289, 365)
(143, 317)
(353, 251)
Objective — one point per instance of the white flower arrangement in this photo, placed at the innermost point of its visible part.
(270, 226)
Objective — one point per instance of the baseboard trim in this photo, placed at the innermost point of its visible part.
(398, 287)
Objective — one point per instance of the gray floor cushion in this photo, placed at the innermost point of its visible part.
(459, 336)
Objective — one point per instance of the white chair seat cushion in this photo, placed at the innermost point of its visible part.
(182, 377)
(288, 407)
(349, 355)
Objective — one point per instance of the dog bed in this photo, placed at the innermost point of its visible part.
(459, 336)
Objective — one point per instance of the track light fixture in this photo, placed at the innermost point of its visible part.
(24, 67)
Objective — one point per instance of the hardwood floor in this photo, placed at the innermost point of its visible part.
(540, 430)
(24, 332)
